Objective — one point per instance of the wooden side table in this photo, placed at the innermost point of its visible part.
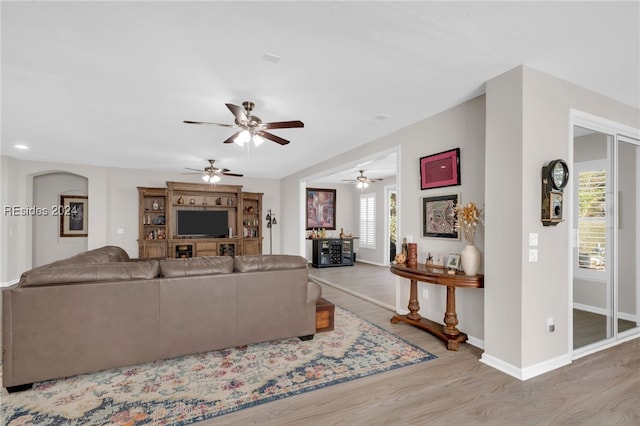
(448, 332)
(324, 315)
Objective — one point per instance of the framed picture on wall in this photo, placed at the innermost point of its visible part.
(441, 169)
(73, 211)
(321, 208)
(439, 217)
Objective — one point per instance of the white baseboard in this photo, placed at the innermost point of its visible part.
(475, 342)
(351, 292)
(528, 372)
(369, 262)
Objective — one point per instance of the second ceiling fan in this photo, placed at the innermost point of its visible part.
(213, 174)
(362, 181)
(251, 126)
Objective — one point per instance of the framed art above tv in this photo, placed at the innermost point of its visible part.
(441, 169)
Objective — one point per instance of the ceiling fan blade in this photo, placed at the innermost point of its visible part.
(283, 124)
(238, 112)
(232, 137)
(232, 174)
(195, 170)
(209, 124)
(272, 137)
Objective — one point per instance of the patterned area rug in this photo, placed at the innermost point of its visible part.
(192, 388)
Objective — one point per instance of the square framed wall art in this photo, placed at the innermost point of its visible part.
(439, 217)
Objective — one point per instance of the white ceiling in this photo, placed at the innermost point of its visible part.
(109, 83)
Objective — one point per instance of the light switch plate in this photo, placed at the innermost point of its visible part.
(533, 239)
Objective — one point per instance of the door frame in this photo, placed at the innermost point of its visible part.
(616, 130)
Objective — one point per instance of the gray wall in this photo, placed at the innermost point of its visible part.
(48, 245)
(528, 123)
(113, 205)
(461, 126)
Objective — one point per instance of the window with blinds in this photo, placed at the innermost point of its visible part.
(368, 221)
(592, 220)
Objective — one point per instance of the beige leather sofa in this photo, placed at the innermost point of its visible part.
(100, 310)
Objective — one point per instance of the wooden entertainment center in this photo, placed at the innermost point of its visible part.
(159, 208)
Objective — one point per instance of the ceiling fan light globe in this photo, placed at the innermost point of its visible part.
(243, 137)
(257, 140)
(215, 178)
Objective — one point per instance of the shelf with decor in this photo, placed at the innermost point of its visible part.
(192, 219)
(251, 223)
(152, 227)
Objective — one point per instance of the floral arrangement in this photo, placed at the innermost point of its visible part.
(468, 219)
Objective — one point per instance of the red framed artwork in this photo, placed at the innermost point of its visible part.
(441, 169)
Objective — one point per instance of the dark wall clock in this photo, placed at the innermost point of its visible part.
(555, 176)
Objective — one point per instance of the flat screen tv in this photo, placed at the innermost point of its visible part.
(202, 223)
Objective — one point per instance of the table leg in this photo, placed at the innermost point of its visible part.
(450, 316)
(414, 304)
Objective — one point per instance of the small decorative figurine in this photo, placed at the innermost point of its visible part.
(401, 258)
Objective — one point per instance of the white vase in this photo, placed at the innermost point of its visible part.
(470, 259)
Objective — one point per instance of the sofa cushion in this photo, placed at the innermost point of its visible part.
(275, 262)
(85, 273)
(100, 255)
(205, 265)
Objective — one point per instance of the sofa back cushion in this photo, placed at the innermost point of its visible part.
(276, 262)
(100, 255)
(205, 265)
(87, 273)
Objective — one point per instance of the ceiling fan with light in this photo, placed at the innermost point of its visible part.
(213, 174)
(362, 181)
(251, 126)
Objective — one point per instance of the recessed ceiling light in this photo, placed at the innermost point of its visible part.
(21, 146)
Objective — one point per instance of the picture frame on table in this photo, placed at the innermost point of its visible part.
(439, 216)
(321, 208)
(453, 262)
(74, 216)
(440, 170)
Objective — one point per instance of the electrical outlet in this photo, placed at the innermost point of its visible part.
(533, 255)
(550, 326)
(425, 293)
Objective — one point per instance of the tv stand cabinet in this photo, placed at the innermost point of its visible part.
(158, 207)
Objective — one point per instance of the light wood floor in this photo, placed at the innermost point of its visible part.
(373, 283)
(457, 389)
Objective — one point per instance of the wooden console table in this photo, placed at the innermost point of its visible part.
(448, 333)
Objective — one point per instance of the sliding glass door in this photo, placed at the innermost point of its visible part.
(606, 208)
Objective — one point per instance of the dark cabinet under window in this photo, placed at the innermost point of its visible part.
(332, 252)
